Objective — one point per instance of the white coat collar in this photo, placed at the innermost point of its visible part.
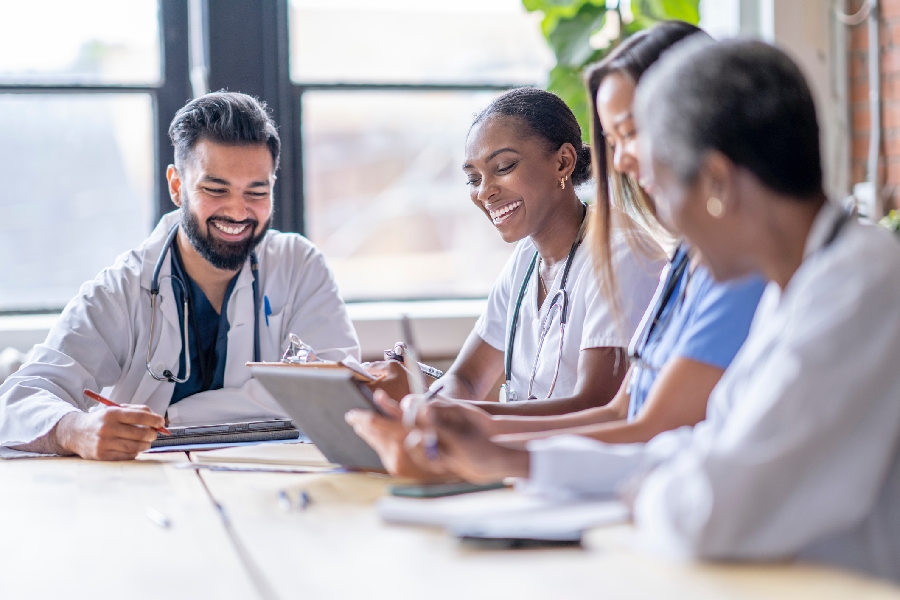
(822, 228)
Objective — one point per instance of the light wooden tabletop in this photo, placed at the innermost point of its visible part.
(339, 542)
(73, 529)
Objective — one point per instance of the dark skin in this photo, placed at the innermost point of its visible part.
(515, 182)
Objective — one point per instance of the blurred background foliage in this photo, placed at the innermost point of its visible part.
(581, 32)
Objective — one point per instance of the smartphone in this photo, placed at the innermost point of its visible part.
(437, 490)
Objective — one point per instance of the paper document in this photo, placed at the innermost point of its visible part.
(298, 455)
(504, 514)
(355, 366)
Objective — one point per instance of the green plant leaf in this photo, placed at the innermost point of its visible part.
(568, 26)
(570, 38)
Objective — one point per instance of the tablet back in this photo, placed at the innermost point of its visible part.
(317, 401)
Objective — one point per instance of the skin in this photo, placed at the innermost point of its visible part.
(502, 169)
(223, 182)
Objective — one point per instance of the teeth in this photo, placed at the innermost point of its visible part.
(230, 230)
(497, 215)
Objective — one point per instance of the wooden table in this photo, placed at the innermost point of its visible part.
(75, 529)
(71, 528)
(339, 543)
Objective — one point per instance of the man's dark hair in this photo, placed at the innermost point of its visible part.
(229, 118)
(743, 98)
(546, 116)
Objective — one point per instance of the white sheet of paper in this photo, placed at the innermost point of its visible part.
(504, 514)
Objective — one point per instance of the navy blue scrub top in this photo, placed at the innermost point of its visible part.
(209, 356)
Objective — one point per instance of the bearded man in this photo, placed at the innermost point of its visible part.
(171, 325)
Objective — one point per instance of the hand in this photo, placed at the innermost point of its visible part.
(385, 435)
(394, 378)
(462, 447)
(109, 434)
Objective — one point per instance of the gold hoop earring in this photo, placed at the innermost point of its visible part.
(714, 207)
(562, 183)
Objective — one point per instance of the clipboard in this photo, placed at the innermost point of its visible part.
(322, 365)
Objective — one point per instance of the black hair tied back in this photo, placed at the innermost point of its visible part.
(548, 117)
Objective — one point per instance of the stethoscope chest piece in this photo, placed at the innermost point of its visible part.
(507, 394)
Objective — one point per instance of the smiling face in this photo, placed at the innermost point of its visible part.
(615, 99)
(513, 179)
(226, 196)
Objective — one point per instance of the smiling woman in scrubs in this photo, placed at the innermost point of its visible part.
(798, 456)
(524, 157)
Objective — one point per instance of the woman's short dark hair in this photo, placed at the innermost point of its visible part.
(617, 193)
(546, 116)
(229, 118)
(743, 98)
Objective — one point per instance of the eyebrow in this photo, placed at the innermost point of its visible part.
(216, 180)
(491, 156)
(220, 181)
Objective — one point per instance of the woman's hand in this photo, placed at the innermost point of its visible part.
(448, 438)
(394, 378)
(385, 434)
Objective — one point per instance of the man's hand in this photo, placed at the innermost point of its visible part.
(463, 447)
(109, 434)
(385, 435)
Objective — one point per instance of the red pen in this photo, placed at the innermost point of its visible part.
(108, 402)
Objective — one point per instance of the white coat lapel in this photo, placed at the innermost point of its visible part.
(240, 330)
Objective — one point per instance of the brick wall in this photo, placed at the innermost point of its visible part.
(858, 40)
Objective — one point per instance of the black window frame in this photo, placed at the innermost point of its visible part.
(247, 49)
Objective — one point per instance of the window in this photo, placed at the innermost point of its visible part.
(76, 142)
(388, 91)
(373, 98)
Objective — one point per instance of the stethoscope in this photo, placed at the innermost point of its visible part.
(559, 303)
(652, 320)
(167, 375)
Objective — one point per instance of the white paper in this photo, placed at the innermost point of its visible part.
(504, 514)
(355, 366)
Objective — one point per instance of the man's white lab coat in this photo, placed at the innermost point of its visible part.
(101, 338)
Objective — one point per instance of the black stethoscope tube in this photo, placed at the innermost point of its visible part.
(564, 312)
(154, 293)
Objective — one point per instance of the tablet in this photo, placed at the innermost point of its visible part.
(220, 433)
(317, 400)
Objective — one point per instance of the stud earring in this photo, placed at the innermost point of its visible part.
(562, 183)
(714, 207)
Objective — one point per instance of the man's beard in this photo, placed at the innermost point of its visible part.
(228, 256)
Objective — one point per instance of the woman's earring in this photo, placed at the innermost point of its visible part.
(562, 183)
(714, 207)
